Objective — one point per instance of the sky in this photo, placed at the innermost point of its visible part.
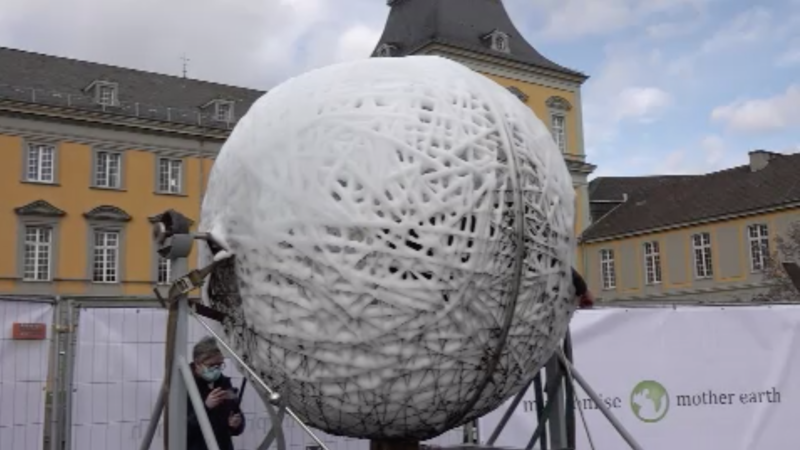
(675, 87)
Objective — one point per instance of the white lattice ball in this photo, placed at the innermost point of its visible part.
(402, 232)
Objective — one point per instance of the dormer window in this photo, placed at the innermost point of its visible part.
(498, 41)
(104, 92)
(224, 111)
(221, 110)
(385, 50)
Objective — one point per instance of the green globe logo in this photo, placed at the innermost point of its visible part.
(649, 401)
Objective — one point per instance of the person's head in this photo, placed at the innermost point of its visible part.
(208, 359)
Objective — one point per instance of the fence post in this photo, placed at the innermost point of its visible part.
(51, 432)
(69, 370)
(61, 338)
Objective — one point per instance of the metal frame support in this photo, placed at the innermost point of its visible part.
(599, 402)
(552, 390)
(556, 424)
(507, 415)
(276, 431)
(178, 388)
(197, 404)
(175, 242)
(557, 413)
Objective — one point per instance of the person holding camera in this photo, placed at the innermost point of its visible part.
(219, 396)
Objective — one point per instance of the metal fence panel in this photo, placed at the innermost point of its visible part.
(118, 371)
(23, 375)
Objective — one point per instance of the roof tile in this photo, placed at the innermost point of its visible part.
(668, 201)
(413, 24)
(55, 78)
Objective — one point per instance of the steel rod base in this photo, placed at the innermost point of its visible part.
(599, 402)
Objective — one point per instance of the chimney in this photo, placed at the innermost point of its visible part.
(759, 159)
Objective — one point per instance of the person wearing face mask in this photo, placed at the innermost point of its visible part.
(219, 396)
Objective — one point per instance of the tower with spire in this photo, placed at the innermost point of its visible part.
(481, 35)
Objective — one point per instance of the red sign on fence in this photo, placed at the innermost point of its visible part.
(29, 331)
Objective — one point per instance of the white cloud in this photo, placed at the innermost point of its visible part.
(573, 19)
(748, 27)
(627, 88)
(357, 42)
(642, 103)
(710, 153)
(762, 115)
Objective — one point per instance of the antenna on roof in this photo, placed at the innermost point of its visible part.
(185, 61)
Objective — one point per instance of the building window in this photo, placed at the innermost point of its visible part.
(498, 41)
(758, 237)
(701, 244)
(558, 126)
(219, 110)
(37, 241)
(164, 270)
(107, 169)
(559, 107)
(38, 253)
(40, 165)
(106, 256)
(652, 262)
(106, 95)
(105, 92)
(223, 111)
(385, 50)
(170, 175)
(608, 273)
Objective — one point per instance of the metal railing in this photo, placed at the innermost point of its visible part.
(139, 110)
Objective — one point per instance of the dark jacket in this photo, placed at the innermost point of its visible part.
(581, 290)
(217, 416)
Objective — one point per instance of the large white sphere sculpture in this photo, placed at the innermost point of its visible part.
(402, 238)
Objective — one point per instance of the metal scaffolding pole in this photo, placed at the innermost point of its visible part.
(599, 402)
(177, 390)
(197, 403)
(557, 415)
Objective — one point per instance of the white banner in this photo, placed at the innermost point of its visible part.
(23, 376)
(697, 378)
(118, 371)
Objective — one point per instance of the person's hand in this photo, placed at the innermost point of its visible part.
(235, 420)
(215, 398)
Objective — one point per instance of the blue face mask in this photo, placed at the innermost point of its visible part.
(211, 374)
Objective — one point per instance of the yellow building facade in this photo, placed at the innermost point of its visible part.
(65, 213)
(89, 166)
(658, 242)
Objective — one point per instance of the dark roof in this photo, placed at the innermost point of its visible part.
(54, 78)
(607, 193)
(413, 24)
(660, 202)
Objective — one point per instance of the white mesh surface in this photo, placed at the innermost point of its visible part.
(402, 232)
